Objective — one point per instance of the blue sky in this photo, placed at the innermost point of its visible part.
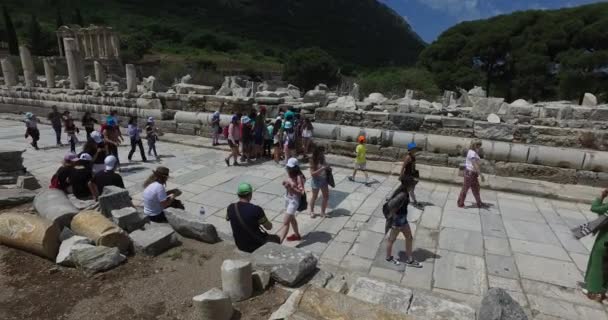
(431, 17)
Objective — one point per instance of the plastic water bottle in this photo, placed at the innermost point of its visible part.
(202, 210)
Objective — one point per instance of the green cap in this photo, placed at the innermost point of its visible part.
(244, 189)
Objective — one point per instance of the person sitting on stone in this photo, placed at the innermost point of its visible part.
(157, 198)
(60, 180)
(80, 177)
(105, 178)
(245, 220)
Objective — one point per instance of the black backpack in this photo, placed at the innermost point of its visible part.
(398, 199)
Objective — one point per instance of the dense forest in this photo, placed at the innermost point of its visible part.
(356, 33)
(535, 55)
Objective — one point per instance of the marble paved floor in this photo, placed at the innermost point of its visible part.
(521, 243)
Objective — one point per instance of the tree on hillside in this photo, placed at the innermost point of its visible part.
(309, 67)
(59, 19)
(77, 18)
(36, 42)
(11, 34)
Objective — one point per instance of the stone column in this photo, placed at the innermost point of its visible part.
(75, 63)
(60, 46)
(85, 45)
(131, 78)
(92, 44)
(8, 71)
(29, 73)
(98, 41)
(49, 71)
(213, 305)
(100, 73)
(236, 279)
(115, 45)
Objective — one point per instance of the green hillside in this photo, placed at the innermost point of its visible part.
(536, 55)
(253, 33)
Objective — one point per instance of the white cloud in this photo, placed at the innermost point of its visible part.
(460, 9)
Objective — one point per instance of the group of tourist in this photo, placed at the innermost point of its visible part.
(108, 138)
(253, 137)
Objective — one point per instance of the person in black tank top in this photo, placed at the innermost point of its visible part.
(409, 175)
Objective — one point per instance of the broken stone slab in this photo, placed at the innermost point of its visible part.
(321, 278)
(493, 118)
(28, 183)
(497, 304)
(388, 295)
(54, 205)
(431, 306)
(338, 285)
(589, 100)
(346, 102)
(478, 92)
(14, 197)
(30, 233)
(187, 88)
(286, 265)
(154, 239)
(191, 225)
(318, 303)
(213, 305)
(288, 308)
(261, 280)
(101, 230)
(128, 218)
(93, 259)
(65, 234)
(82, 204)
(237, 281)
(113, 198)
(67, 247)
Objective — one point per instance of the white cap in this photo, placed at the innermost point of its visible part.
(150, 119)
(96, 136)
(292, 163)
(110, 162)
(86, 156)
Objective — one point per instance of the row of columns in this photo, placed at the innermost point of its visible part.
(93, 43)
(75, 63)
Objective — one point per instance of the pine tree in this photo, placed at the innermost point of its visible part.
(11, 34)
(77, 19)
(36, 39)
(59, 19)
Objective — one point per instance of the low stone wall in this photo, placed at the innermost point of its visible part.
(593, 137)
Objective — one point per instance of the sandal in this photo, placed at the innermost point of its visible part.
(597, 297)
(294, 237)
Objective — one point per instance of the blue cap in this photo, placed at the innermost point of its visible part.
(411, 146)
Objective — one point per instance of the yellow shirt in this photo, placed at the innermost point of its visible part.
(361, 151)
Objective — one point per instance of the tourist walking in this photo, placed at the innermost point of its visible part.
(295, 199)
(277, 138)
(246, 138)
(596, 278)
(134, 132)
(318, 172)
(409, 175)
(31, 129)
(472, 172)
(215, 128)
(234, 135)
(155, 196)
(289, 134)
(71, 130)
(307, 131)
(152, 137)
(56, 122)
(245, 220)
(259, 126)
(112, 137)
(360, 160)
(398, 224)
(106, 177)
(268, 134)
(88, 122)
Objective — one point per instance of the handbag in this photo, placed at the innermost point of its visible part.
(303, 203)
(330, 178)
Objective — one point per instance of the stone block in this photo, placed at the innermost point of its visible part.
(401, 139)
(93, 259)
(113, 198)
(286, 265)
(349, 134)
(596, 161)
(237, 281)
(261, 280)
(497, 304)
(28, 183)
(556, 157)
(213, 305)
(407, 121)
(191, 225)
(13, 197)
(67, 247)
(390, 296)
(321, 278)
(453, 146)
(427, 306)
(154, 239)
(30, 233)
(450, 122)
(326, 131)
(128, 218)
(338, 285)
(495, 131)
(187, 88)
(287, 309)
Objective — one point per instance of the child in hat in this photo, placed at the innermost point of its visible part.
(31, 129)
(360, 160)
(151, 136)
